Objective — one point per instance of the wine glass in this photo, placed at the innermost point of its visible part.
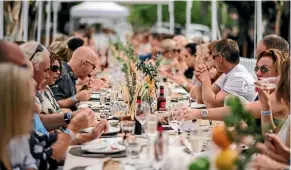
(103, 98)
(141, 113)
(178, 116)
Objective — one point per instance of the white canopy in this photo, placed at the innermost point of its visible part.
(99, 9)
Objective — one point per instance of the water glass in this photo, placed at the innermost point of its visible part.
(127, 126)
(103, 98)
(151, 126)
(134, 149)
(196, 144)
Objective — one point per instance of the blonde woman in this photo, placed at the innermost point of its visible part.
(60, 49)
(16, 107)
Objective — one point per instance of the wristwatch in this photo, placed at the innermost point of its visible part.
(67, 117)
(204, 113)
(69, 132)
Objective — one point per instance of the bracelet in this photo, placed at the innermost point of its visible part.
(265, 113)
(69, 132)
(74, 99)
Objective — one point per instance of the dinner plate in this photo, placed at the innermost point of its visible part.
(195, 105)
(111, 130)
(95, 96)
(103, 148)
(179, 91)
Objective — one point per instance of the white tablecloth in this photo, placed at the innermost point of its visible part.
(177, 160)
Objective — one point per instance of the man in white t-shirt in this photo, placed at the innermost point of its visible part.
(234, 80)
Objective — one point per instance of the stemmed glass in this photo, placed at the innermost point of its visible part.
(141, 114)
(178, 116)
(103, 98)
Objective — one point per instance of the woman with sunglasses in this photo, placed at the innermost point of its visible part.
(282, 91)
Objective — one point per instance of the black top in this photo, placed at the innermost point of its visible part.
(189, 73)
(64, 87)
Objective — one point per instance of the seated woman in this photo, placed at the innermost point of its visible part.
(282, 95)
(275, 153)
(16, 108)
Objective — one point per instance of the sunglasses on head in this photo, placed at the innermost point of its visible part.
(263, 69)
(55, 68)
(37, 50)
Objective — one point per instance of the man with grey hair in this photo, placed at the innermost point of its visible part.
(40, 58)
(235, 80)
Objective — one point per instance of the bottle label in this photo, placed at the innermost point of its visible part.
(162, 106)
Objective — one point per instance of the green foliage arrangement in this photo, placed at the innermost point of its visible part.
(238, 115)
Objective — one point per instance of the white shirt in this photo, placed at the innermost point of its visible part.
(20, 156)
(282, 134)
(238, 81)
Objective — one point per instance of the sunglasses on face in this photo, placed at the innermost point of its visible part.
(37, 50)
(263, 69)
(55, 68)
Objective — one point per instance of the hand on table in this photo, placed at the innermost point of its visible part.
(83, 95)
(185, 113)
(99, 128)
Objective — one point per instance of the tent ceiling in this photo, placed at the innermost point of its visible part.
(99, 9)
(143, 1)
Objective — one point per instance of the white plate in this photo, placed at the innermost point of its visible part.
(179, 91)
(103, 148)
(195, 105)
(111, 130)
(95, 96)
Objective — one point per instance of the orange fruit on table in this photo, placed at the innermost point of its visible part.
(147, 79)
(221, 137)
(225, 160)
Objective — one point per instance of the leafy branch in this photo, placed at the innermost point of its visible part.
(239, 115)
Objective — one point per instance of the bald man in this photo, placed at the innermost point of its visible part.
(80, 66)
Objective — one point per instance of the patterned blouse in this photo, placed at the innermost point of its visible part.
(46, 102)
(41, 151)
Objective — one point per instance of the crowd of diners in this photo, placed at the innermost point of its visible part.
(40, 87)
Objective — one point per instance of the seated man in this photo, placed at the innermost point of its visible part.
(235, 80)
(279, 110)
(79, 66)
